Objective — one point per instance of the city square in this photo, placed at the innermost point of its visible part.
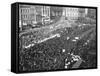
(56, 38)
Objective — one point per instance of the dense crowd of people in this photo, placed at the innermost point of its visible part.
(53, 53)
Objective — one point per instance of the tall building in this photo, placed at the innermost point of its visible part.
(55, 13)
(45, 14)
(26, 15)
(71, 13)
(91, 13)
(33, 15)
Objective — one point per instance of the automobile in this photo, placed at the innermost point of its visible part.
(46, 20)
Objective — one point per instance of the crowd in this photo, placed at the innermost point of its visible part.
(53, 53)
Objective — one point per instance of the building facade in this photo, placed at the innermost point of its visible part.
(74, 13)
(71, 13)
(45, 14)
(33, 15)
(26, 15)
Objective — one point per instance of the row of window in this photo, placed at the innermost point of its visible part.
(56, 13)
(25, 10)
(25, 16)
(72, 9)
(72, 14)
